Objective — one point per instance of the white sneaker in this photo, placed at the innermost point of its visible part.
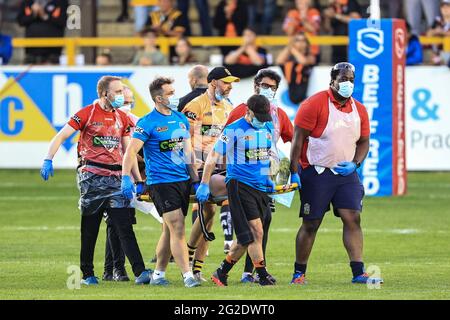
(199, 277)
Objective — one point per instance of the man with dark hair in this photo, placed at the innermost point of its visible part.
(104, 134)
(331, 140)
(164, 134)
(265, 83)
(246, 143)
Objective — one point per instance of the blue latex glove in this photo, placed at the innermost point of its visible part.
(127, 187)
(203, 192)
(270, 186)
(345, 168)
(194, 187)
(295, 178)
(140, 187)
(47, 169)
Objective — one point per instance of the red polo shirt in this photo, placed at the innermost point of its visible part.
(312, 115)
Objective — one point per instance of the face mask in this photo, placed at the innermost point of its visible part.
(257, 124)
(219, 97)
(268, 93)
(118, 101)
(173, 102)
(346, 89)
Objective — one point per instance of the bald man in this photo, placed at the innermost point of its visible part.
(197, 77)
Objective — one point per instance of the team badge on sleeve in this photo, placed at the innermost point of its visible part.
(77, 119)
(191, 115)
(224, 138)
(139, 130)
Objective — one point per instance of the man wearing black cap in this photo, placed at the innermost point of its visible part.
(246, 143)
(207, 115)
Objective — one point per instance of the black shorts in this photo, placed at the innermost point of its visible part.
(170, 196)
(246, 203)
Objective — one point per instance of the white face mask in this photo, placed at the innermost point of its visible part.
(346, 89)
(268, 93)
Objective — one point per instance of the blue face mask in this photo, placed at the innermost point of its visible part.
(173, 102)
(118, 101)
(257, 124)
(219, 96)
(268, 93)
(346, 89)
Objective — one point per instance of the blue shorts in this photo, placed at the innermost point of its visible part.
(320, 190)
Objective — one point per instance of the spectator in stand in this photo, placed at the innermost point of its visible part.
(149, 55)
(248, 59)
(230, 19)
(104, 58)
(268, 8)
(183, 53)
(167, 21)
(141, 12)
(336, 18)
(297, 62)
(198, 81)
(304, 18)
(392, 8)
(441, 28)
(43, 19)
(414, 53)
(414, 9)
(123, 17)
(203, 15)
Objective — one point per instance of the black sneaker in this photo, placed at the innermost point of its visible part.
(120, 275)
(267, 281)
(107, 276)
(154, 259)
(219, 278)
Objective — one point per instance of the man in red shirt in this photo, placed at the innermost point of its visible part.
(265, 83)
(104, 135)
(331, 140)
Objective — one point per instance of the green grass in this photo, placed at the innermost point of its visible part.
(406, 237)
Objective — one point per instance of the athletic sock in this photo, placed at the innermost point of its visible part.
(226, 221)
(300, 268)
(191, 252)
(197, 266)
(226, 264)
(260, 268)
(157, 274)
(357, 268)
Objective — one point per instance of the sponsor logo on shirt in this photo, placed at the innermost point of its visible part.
(249, 138)
(162, 129)
(212, 130)
(257, 154)
(77, 119)
(191, 115)
(182, 126)
(97, 124)
(174, 144)
(139, 130)
(106, 142)
(224, 138)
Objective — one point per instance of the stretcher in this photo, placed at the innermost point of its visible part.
(209, 236)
